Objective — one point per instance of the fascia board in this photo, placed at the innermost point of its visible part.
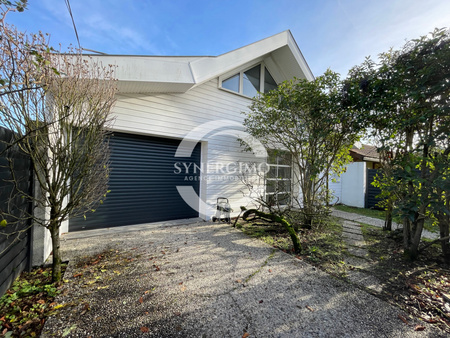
(208, 68)
(204, 69)
(299, 57)
(149, 69)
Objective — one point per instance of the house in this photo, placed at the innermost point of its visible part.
(175, 148)
(366, 153)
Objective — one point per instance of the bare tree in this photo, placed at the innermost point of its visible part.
(59, 107)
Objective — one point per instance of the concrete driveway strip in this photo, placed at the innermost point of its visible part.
(210, 280)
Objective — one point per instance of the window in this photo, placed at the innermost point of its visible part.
(269, 82)
(278, 179)
(251, 81)
(232, 83)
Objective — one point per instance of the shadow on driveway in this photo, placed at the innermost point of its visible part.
(209, 280)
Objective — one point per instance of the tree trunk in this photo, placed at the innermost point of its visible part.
(414, 230)
(56, 265)
(444, 232)
(388, 220)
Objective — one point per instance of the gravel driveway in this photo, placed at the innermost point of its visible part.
(207, 280)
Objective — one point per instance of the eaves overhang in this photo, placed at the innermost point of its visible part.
(160, 74)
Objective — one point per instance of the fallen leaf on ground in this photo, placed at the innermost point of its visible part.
(309, 308)
(261, 301)
(238, 281)
(403, 319)
(183, 288)
(78, 275)
(245, 335)
(141, 300)
(419, 328)
(144, 329)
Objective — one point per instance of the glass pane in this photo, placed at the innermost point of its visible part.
(284, 158)
(284, 172)
(271, 186)
(284, 199)
(272, 156)
(251, 81)
(284, 186)
(231, 83)
(272, 173)
(269, 82)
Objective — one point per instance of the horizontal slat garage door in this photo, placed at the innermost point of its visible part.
(142, 184)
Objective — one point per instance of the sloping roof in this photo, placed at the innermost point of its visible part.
(145, 74)
(365, 152)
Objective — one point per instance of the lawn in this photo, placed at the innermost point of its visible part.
(380, 214)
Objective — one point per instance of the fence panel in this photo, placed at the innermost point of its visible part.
(371, 191)
(15, 238)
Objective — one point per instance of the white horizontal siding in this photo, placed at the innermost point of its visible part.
(175, 115)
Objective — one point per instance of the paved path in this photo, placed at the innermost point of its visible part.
(358, 259)
(376, 222)
(210, 280)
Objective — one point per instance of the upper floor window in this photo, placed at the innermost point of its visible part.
(251, 81)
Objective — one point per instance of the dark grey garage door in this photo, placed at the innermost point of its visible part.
(142, 184)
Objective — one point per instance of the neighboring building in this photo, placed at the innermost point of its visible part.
(366, 153)
(353, 187)
(164, 100)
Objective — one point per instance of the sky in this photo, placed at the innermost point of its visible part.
(335, 34)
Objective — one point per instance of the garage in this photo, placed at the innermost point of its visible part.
(143, 183)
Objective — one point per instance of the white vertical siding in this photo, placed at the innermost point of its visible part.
(334, 184)
(353, 185)
(175, 115)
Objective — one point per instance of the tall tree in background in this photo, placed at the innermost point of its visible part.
(59, 107)
(404, 98)
(306, 120)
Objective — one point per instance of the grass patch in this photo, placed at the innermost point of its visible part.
(322, 245)
(25, 307)
(380, 214)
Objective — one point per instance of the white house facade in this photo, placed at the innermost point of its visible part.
(174, 146)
